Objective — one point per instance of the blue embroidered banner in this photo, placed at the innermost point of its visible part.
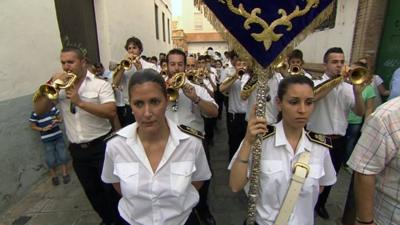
(266, 27)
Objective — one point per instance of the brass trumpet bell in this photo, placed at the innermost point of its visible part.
(295, 70)
(196, 76)
(51, 90)
(359, 75)
(126, 64)
(173, 86)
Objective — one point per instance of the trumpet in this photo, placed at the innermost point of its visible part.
(51, 90)
(126, 64)
(164, 73)
(356, 75)
(237, 76)
(288, 70)
(174, 84)
(196, 76)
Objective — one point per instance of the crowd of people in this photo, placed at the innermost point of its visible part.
(140, 133)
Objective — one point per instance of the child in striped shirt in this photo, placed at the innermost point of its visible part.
(46, 118)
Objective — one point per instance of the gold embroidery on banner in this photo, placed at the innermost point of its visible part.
(268, 35)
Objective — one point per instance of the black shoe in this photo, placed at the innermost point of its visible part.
(55, 181)
(66, 179)
(322, 212)
(207, 218)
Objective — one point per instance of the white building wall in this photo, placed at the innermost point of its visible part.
(201, 47)
(30, 48)
(189, 15)
(117, 22)
(315, 45)
(30, 45)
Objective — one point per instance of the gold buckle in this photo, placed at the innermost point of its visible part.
(302, 165)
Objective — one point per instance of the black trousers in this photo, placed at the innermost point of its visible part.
(209, 125)
(219, 98)
(202, 206)
(237, 126)
(125, 115)
(337, 153)
(87, 161)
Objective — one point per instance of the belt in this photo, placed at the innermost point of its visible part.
(238, 115)
(92, 142)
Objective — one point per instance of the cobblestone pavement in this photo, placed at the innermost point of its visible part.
(67, 204)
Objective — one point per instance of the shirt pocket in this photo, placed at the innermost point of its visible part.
(181, 176)
(311, 183)
(272, 182)
(128, 174)
(90, 96)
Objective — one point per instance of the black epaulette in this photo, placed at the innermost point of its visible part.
(320, 139)
(110, 136)
(270, 132)
(191, 131)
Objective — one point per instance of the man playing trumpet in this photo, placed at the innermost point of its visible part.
(121, 76)
(237, 106)
(334, 100)
(87, 107)
(192, 102)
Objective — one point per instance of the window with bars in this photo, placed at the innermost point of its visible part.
(156, 19)
(163, 26)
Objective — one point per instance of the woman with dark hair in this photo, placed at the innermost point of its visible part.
(285, 146)
(153, 163)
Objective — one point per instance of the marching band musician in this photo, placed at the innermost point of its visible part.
(210, 83)
(193, 102)
(332, 107)
(285, 146)
(156, 165)
(87, 107)
(209, 80)
(134, 48)
(295, 60)
(237, 107)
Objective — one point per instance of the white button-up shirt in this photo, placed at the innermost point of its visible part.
(188, 113)
(83, 126)
(331, 112)
(163, 197)
(236, 104)
(213, 78)
(277, 161)
(271, 111)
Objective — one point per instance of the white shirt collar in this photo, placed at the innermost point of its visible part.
(133, 141)
(90, 75)
(280, 139)
(130, 131)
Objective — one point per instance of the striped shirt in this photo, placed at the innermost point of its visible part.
(377, 153)
(43, 121)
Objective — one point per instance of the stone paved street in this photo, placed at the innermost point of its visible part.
(67, 204)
